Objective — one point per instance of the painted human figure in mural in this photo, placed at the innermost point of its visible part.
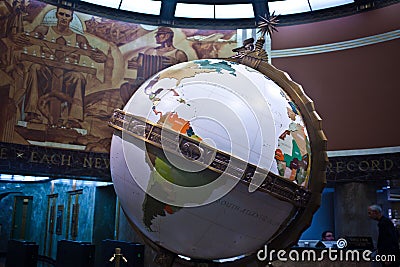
(209, 43)
(154, 59)
(11, 23)
(171, 55)
(11, 72)
(65, 86)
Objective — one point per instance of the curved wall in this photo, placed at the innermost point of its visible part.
(354, 84)
(355, 87)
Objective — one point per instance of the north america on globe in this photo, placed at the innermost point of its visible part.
(195, 130)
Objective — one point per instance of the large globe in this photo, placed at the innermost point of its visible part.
(211, 159)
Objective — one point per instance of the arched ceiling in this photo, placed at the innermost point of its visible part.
(220, 14)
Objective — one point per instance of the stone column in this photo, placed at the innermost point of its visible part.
(351, 204)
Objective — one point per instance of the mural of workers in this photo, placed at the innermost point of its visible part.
(45, 102)
(154, 59)
(11, 73)
(70, 70)
(210, 44)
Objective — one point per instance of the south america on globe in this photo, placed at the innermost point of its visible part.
(213, 159)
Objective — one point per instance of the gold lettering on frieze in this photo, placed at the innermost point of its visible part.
(106, 163)
(3, 153)
(55, 159)
(34, 157)
(351, 166)
(372, 165)
(375, 165)
(87, 162)
(66, 160)
(45, 159)
(363, 166)
(97, 163)
(387, 164)
(340, 166)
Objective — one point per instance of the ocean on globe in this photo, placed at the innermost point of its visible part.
(190, 133)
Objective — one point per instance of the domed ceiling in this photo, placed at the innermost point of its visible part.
(221, 13)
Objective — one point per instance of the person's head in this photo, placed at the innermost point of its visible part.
(64, 16)
(20, 4)
(327, 236)
(164, 35)
(375, 212)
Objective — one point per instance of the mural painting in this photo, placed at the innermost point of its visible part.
(62, 73)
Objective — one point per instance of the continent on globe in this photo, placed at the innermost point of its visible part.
(292, 154)
(191, 140)
(172, 121)
(194, 68)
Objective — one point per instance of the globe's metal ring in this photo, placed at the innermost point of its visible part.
(150, 133)
(305, 200)
(258, 59)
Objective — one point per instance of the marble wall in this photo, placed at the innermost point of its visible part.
(96, 216)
